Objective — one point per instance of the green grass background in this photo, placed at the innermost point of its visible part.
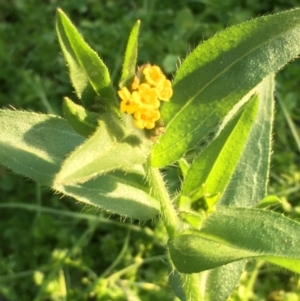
(49, 243)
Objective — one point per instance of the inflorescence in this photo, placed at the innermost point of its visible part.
(148, 88)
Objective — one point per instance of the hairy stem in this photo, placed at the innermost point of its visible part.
(169, 214)
(190, 282)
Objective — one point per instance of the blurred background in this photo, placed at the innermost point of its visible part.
(51, 245)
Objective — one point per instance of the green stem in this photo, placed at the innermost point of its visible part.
(190, 282)
(169, 215)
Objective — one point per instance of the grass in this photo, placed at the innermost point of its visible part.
(51, 244)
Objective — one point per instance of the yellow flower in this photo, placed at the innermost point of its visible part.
(146, 97)
(127, 104)
(135, 83)
(153, 75)
(146, 119)
(166, 92)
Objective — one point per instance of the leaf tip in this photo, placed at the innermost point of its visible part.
(59, 11)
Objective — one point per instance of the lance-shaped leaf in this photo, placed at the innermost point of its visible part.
(247, 186)
(116, 192)
(80, 119)
(35, 146)
(211, 171)
(231, 234)
(249, 182)
(88, 73)
(129, 64)
(175, 282)
(111, 147)
(218, 73)
(220, 282)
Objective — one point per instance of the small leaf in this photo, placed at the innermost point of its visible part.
(80, 119)
(184, 166)
(269, 200)
(129, 64)
(35, 146)
(193, 218)
(111, 147)
(231, 234)
(88, 73)
(218, 73)
(215, 165)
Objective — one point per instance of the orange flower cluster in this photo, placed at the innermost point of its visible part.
(149, 87)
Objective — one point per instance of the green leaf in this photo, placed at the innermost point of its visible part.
(193, 218)
(175, 282)
(116, 192)
(80, 119)
(231, 234)
(220, 282)
(218, 73)
(129, 64)
(216, 285)
(184, 167)
(247, 185)
(88, 73)
(268, 201)
(111, 147)
(213, 168)
(35, 146)
(249, 182)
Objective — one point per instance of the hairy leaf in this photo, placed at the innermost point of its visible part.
(219, 283)
(218, 73)
(88, 73)
(231, 234)
(212, 169)
(129, 64)
(80, 119)
(35, 146)
(249, 181)
(113, 146)
(247, 186)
